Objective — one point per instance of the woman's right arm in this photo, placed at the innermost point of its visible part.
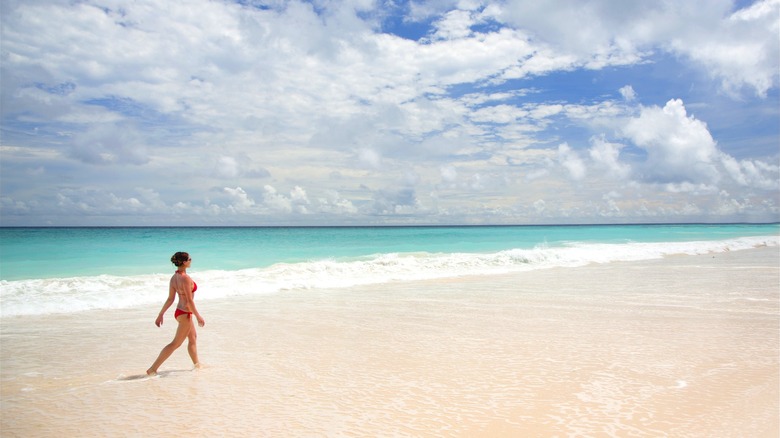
(171, 295)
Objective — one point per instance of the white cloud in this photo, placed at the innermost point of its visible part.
(679, 147)
(234, 167)
(240, 200)
(454, 24)
(110, 143)
(752, 173)
(689, 187)
(544, 111)
(276, 201)
(571, 161)
(745, 50)
(227, 167)
(539, 206)
(498, 114)
(449, 174)
(299, 200)
(370, 157)
(98, 201)
(628, 93)
(395, 201)
(607, 155)
(333, 203)
(741, 49)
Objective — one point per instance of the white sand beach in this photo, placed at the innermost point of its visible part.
(687, 346)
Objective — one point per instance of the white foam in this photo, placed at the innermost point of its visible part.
(67, 295)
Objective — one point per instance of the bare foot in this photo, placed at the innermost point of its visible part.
(149, 372)
(197, 366)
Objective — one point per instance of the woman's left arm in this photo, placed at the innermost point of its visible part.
(190, 303)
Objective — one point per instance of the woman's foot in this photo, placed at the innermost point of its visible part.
(151, 372)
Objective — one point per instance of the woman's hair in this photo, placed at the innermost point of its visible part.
(179, 258)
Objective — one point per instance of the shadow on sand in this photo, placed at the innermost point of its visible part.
(166, 373)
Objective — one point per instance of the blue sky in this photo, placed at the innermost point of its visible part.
(362, 112)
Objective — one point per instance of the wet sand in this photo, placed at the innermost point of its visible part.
(687, 346)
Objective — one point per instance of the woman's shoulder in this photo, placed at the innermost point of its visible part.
(179, 277)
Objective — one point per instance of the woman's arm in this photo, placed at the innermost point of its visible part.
(171, 295)
(201, 321)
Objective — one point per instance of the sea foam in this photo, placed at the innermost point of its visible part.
(76, 294)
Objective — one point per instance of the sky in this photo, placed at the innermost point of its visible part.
(388, 112)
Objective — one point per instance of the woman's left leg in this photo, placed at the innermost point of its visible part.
(192, 346)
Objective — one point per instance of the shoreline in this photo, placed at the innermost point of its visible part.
(680, 346)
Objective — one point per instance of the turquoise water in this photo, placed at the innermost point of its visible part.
(67, 270)
(36, 253)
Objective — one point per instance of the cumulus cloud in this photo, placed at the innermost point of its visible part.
(679, 147)
(333, 203)
(677, 151)
(752, 173)
(299, 200)
(744, 52)
(102, 202)
(240, 201)
(275, 201)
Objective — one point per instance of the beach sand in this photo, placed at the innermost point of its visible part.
(686, 346)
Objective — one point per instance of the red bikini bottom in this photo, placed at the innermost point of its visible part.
(181, 312)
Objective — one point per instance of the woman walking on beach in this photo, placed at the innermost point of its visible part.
(180, 284)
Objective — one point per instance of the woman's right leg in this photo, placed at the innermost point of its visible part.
(181, 334)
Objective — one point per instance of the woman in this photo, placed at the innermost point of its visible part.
(180, 284)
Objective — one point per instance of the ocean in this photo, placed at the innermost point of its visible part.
(67, 270)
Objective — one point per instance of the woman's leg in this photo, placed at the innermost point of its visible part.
(192, 347)
(181, 334)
